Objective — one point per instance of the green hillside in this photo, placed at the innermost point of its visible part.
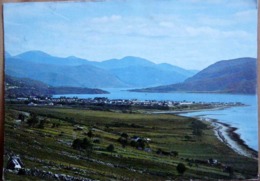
(228, 76)
(105, 148)
(25, 87)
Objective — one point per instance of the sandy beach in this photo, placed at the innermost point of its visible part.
(226, 133)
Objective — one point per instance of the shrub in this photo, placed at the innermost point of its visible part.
(175, 153)
(124, 135)
(97, 141)
(90, 134)
(123, 141)
(181, 168)
(33, 120)
(77, 144)
(110, 148)
(84, 144)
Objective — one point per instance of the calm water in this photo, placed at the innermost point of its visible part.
(244, 118)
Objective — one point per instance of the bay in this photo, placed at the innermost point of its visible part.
(244, 117)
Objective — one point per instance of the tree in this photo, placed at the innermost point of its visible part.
(21, 117)
(133, 143)
(76, 144)
(42, 123)
(55, 125)
(84, 144)
(159, 151)
(123, 141)
(187, 137)
(33, 120)
(124, 135)
(175, 153)
(198, 127)
(87, 146)
(197, 132)
(90, 134)
(110, 148)
(181, 168)
(141, 144)
(229, 170)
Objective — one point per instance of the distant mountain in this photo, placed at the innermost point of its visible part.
(44, 58)
(72, 71)
(169, 67)
(24, 87)
(140, 76)
(140, 72)
(125, 62)
(60, 71)
(227, 76)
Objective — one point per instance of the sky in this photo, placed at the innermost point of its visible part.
(192, 34)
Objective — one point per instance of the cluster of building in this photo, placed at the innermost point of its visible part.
(50, 101)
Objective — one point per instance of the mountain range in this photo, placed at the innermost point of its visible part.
(227, 76)
(73, 71)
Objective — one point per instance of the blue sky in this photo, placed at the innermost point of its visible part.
(188, 33)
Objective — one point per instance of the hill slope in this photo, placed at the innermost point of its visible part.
(227, 76)
(55, 74)
(24, 87)
(140, 72)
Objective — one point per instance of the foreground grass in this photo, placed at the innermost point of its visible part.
(50, 148)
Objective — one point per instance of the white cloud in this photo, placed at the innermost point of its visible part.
(204, 1)
(192, 31)
(215, 33)
(166, 24)
(246, 15)
(107, 19)
(215, 22)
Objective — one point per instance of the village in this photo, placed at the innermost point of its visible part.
(119, 103)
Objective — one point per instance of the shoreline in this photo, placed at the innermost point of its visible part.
(189, 111)
(226, 134)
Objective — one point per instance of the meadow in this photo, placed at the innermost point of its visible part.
(112, 145)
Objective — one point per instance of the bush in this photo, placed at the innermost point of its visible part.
(76, 144)
(33, 120)
(97, 141)
(110, 148)
(123, 141)
(175, 153)
(181, 168)
(21, 117)
(90, 134)
(124, 135)
(133, 143)
(84, 144)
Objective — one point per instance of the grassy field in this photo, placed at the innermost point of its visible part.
(167, 140)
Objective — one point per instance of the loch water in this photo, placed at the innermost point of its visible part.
(243, 117)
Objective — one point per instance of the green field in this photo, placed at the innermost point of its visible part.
(167, 140)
